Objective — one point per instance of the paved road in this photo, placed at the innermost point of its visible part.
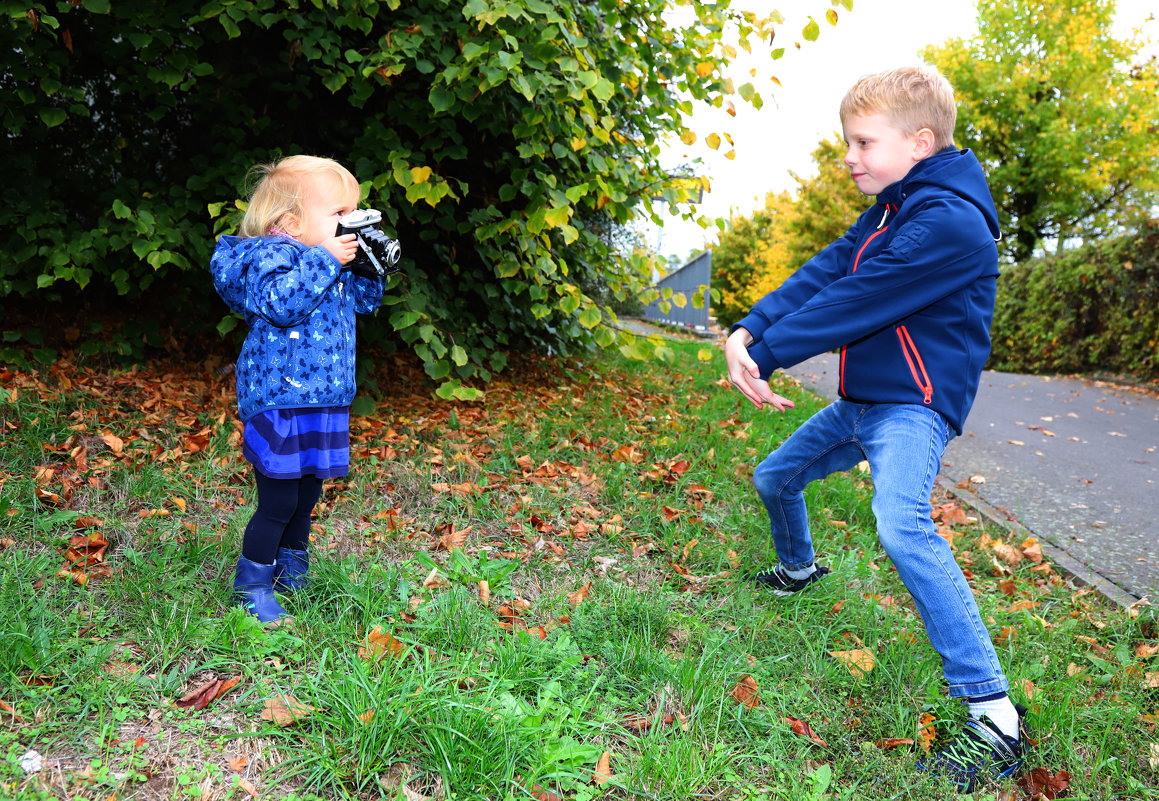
(1076, 462)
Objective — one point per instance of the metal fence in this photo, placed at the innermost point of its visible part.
(695, 276)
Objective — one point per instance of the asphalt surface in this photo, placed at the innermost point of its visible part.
(1075, 462)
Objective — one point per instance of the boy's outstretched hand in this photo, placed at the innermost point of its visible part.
(744, 374)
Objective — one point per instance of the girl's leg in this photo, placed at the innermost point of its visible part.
(277, 507)
(296, 534)
(294, 552)
(253, 582)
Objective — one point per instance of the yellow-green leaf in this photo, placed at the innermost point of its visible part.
(712, 140)
(420, 174)
(811, 31)
(557, 216)
(590, 317)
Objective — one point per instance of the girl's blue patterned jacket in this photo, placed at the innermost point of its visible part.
(300, 308)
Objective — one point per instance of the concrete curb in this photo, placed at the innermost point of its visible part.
(1073, 568)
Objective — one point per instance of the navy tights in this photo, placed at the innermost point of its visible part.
(282, 519)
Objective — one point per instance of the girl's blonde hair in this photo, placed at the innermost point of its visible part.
(912, 97)
(281, 189)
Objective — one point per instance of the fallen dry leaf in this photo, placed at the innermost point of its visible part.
(285, 709)
(603, 769)
(238, 763)
(894, 742)
(580, 595)
(803, 728)
(746, 692)
(1146, 650)
(6, 707)
(860, 661)
(202, 696)
(926, 732)
(380, 643)
(1040, 782)
(451, 539)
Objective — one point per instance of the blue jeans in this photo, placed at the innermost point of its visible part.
(903, 444)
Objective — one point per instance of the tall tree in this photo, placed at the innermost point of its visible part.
(1064, 117)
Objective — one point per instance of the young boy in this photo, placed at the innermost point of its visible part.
(907, 295)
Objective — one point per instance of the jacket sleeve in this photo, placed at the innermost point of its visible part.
(367, 293)
(285, 283)
(809, 279)
(927, 259)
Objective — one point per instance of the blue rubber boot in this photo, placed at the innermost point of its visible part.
(290, 570)
(253, 586)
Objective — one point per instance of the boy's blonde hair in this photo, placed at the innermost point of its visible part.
(912, 97)
(281, 189)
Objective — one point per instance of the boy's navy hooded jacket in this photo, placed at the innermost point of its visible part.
(907, 294)
(300, 308)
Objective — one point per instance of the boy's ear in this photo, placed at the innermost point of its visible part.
(924, 141)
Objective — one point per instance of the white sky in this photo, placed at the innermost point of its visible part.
(875, 35)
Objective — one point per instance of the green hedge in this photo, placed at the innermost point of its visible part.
(1094, 310)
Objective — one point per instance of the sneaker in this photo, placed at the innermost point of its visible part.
(979, 753)
(777, 580)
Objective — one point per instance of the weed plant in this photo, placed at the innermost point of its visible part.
(541, 595)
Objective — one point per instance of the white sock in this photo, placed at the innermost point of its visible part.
(1001, 712)
(803, 573)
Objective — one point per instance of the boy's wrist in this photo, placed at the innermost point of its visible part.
(742, 335)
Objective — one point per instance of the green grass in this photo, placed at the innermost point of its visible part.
(611, 514)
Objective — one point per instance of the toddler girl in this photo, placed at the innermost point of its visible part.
(295, 375)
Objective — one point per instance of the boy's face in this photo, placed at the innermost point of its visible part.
(879, 153)
(325, 201)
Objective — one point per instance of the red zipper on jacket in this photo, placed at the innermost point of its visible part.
(856, 261)
(917, 368)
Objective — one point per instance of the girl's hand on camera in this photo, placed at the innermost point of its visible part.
(344, 248)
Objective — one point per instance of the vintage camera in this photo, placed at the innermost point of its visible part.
(378, 254)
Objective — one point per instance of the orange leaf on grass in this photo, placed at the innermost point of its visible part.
(579, 596)
(803, 728)
(380, 643)
(238, 763)
(746, 692)
(1146, 650)
(248, 786)
(202, 696)
(893, 742)
(926, 732)
(603, 769)
(451, 539)
(627, 453)
(207, 693)
(860, 661)
(1040, 782)
(285, 709)
(6, 707)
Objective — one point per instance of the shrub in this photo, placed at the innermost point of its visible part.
(1093, 310)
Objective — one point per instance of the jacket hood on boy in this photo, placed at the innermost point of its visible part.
(907, 294)
(300, 308)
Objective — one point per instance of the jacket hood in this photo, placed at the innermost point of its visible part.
(231, 260)
(956, 171)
